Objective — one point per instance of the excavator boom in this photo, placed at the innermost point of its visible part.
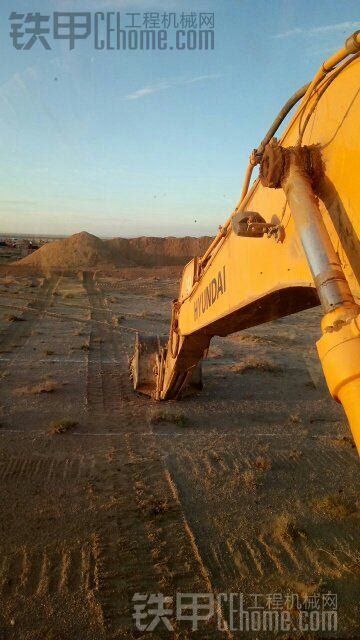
(292, 242)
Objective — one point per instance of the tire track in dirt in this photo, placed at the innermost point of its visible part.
(267, 549)
(44, 568)
(51, 470)
(20, 332)
(46, 572)
(145, 543)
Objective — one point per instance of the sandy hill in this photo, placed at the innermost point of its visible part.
(84, 251)
(80, 251)
(148, 252)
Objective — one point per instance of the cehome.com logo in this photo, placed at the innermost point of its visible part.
(210, 294)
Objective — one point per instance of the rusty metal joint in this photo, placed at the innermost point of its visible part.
(276, 161)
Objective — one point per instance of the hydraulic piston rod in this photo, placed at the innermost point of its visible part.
(295, 169)
(329, 278)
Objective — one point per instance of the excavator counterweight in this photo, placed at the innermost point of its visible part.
(292, 242)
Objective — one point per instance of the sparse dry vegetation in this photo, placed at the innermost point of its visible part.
(62, 426)
(294, 454)
(334, 506)
(248, 338)
(262, 463)
(249, 479)
(253, 364)
(160, 417)
(155, 506)
(48, 386)
(285, 527)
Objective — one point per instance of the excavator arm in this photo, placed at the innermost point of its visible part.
(292, 242)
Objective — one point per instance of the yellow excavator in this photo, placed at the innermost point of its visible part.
(292, 242)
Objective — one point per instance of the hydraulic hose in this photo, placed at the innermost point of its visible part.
(280, 117)
(256, 155)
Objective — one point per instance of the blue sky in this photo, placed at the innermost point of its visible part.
(127, 143)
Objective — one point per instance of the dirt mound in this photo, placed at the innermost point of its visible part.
(84, 251)
(151, 252)
(80, 251)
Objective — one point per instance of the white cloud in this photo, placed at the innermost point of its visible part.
(201, 78)
(141, 93)
(348, 27)
(145, 91)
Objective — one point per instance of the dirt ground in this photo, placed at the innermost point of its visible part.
(250, 487)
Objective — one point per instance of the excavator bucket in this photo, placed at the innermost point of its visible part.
(144, 363)
(146, 367)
